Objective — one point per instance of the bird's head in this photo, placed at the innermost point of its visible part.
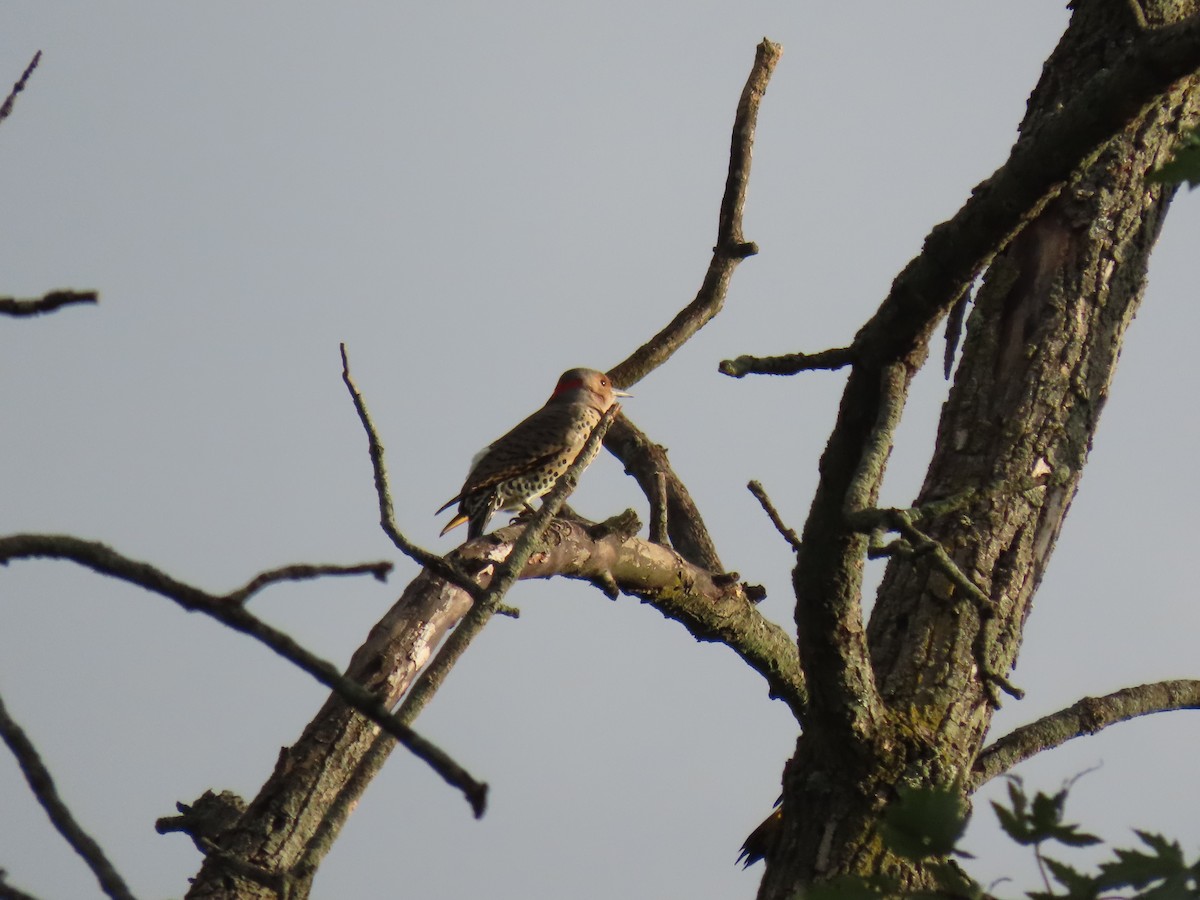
(586, 386)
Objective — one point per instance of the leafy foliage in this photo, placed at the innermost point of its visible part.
(924, 825)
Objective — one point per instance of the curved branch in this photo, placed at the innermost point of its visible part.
(1088, 716)
(711, 608)
(228, 610)
(43, 789)
(11, 306)
(731, 247)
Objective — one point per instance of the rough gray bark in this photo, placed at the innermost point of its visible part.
(1040, 351)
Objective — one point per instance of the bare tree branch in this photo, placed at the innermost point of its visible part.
(1087, 716)
(788, 534)
(387, 518)
(305, 572)
(8, 892)
(228, 610)
(643, 459)
(789, 364)
(42, 785)
(6, 108)
(11, 306)
(647, 462)
(731, 247)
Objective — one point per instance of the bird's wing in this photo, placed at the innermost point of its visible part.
(531, 444)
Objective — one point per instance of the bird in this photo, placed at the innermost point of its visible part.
(762, 838)
(526, 463)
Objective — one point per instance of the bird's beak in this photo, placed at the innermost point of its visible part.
(617, 393)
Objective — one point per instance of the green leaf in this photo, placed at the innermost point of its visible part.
(1174, 888)
(1184, 164)
(1136, 869)
(953, 881)
(1040, 820)
(1014, 825)
(1078, 885)
(924, 822)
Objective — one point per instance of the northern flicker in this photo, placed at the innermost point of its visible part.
(525, 463)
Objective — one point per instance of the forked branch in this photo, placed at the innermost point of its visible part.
(230, 611)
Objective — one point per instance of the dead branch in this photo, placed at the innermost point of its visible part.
(43, 789)
(317, 796)
(6, 108)
(788, 534)
(228, 610)
(8, 892)
(387, 518)
(1087, 716)
(11, 306)
(731, 247)
(788, 364)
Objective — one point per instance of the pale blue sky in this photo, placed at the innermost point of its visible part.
(476, 196)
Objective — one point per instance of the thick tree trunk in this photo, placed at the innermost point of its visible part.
(1039, 354)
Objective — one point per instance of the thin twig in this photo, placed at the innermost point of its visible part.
(305, 572)
(788, 534)
(1087, 716)
(387, 519)
(731, 247)
(503, 577)
(11, 306)
(7, 107)
(228, 610)
(42, 785)
(788, 364)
